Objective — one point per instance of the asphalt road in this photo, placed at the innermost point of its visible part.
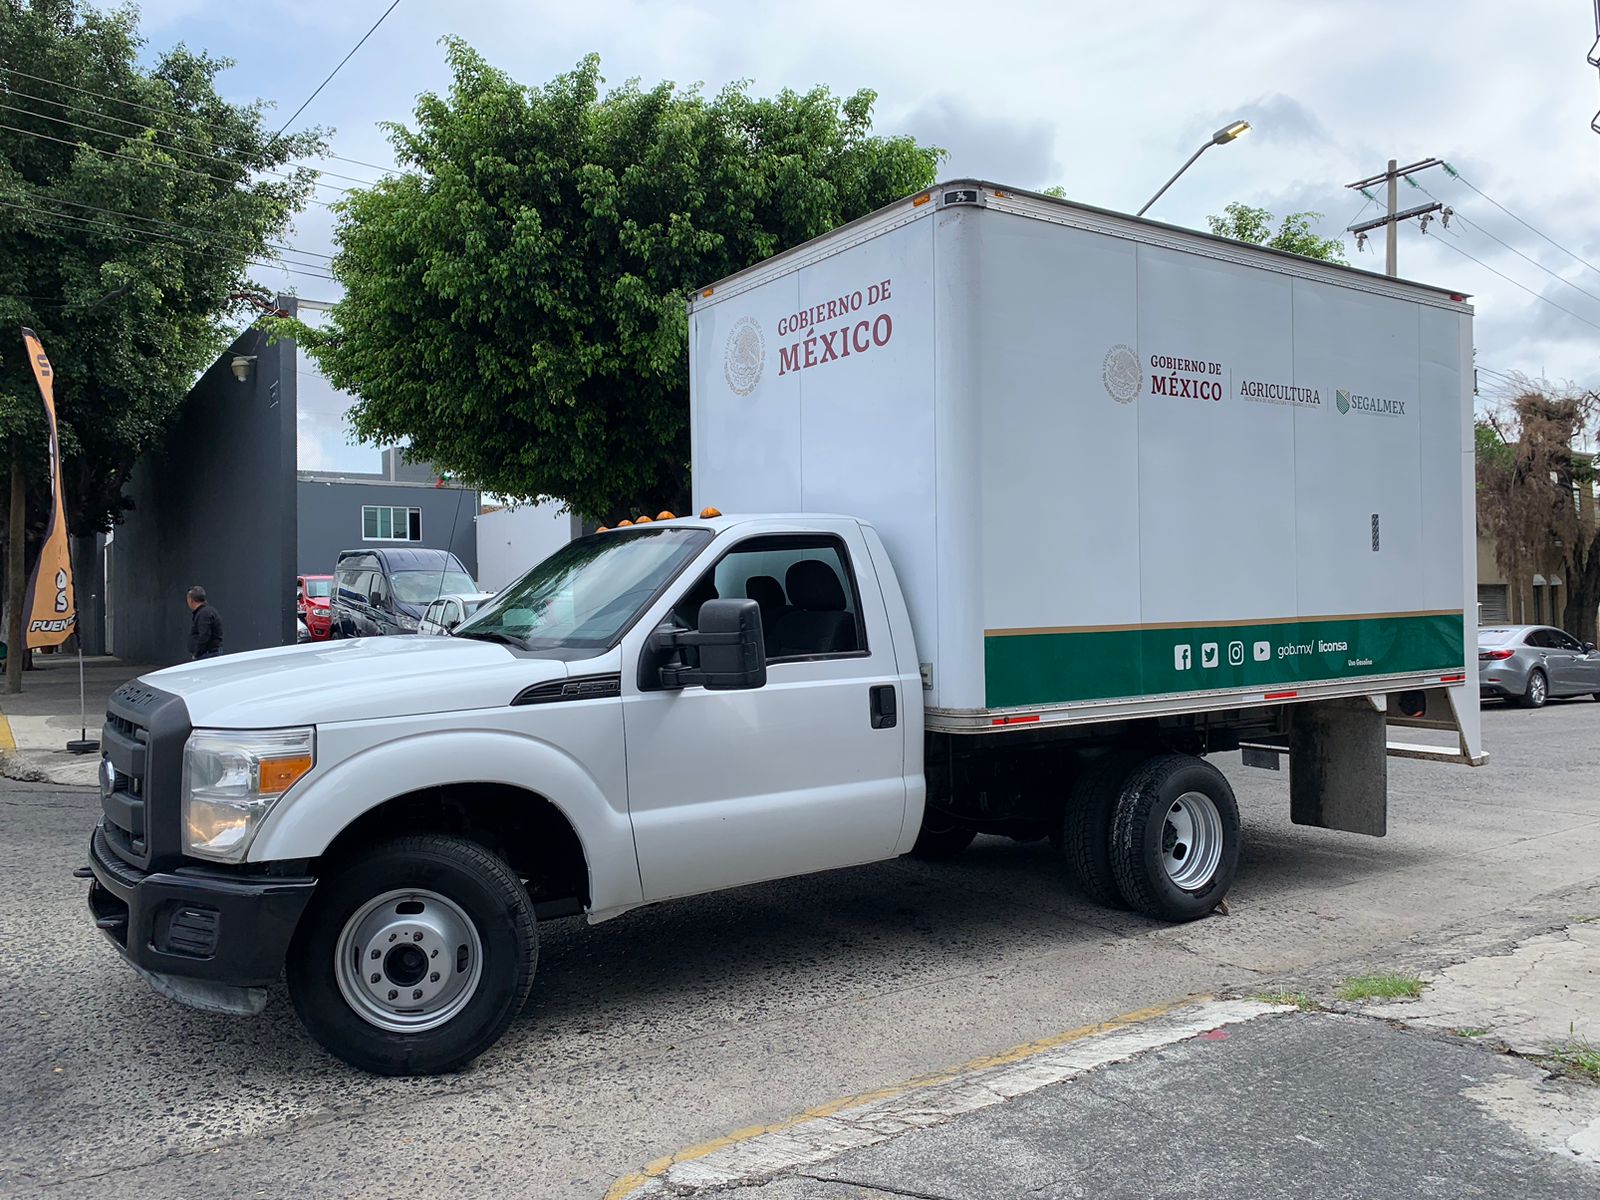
(673, 1025)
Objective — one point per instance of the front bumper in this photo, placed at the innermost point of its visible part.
(195, 923)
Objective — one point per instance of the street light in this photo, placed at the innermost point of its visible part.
(1222, 136)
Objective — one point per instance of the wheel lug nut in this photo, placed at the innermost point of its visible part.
(377, 953)
(377, 978)
(434, 978)
(416, 937)
(417, 995)
(393, 994)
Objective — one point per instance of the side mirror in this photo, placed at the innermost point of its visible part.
(725, 654)
(451, 626)
(1588, 647)
(375, 599)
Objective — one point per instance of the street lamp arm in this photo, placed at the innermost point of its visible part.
(1206, 146)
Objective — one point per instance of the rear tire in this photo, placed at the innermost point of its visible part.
(444, 925)
(1086, 827)
(1175, 838)
(941, 844)
(1538, 690)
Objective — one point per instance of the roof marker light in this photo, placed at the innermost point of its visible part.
(664, 515)
(708, 512)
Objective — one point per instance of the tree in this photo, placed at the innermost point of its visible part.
(515, 304)
(1254, 225)
(130, 213)
(1536, 493)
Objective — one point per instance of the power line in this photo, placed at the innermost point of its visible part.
(151, 236)
(1457, 175)
(336, 70)
(1466, 220)
(111, 212)
(1524, 287)
(139, 161)
(161, 112)
(143, 126)
(28, 112)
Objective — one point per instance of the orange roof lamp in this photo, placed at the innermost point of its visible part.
(708, 512)
(664, 515)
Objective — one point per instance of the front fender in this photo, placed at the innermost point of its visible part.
(305, 822)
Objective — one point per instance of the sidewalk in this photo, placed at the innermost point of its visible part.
(1486, 1084)
(36, 725)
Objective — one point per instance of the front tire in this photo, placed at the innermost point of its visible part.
(413, 958)
(1538, 690)
(1175, 838)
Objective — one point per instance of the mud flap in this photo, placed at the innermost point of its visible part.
(1339, 766)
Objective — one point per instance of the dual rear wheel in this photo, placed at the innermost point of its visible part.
(1160, 836)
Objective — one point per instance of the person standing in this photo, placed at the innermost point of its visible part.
(205, 628)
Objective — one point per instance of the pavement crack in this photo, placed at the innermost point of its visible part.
(882, 1188)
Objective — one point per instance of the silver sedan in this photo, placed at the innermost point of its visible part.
(1531, 663)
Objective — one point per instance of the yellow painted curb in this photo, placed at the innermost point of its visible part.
(636, 1179)
(8, 740)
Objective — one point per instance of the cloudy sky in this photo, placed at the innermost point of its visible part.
(1104, 99)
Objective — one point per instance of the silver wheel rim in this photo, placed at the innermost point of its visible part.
(1536, 689)
(408, 961)
(1191, 841)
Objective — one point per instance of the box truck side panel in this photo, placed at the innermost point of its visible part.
(1274, 418)
(745, 419)
(814, 392)
(1216, 470)
(1056, 311)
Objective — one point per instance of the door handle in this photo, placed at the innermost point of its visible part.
(882, 707)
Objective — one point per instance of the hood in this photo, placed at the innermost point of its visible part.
(360, 679)
(317, 601)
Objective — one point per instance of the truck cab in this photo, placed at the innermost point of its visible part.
(652, 712)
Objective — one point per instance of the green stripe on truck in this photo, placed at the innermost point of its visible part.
(1054, 667)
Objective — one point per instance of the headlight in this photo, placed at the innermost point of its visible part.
(231, 780)
(406, 621)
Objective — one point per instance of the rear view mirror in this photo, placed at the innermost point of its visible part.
(725, 654)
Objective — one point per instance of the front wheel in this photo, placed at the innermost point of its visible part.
(414, 958)
(1175, 838)
(1538, 690)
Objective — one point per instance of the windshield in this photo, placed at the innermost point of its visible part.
(586, 593)
(424, 587)
(319, 589)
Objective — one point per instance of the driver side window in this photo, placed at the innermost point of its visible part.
(804, 586)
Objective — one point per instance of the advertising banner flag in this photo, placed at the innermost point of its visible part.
(49, 601)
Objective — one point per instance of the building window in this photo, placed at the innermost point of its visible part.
(380, 523)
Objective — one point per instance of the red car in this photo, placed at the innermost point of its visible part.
(312, 595)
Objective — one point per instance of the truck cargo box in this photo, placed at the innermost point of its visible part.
(1122, 468)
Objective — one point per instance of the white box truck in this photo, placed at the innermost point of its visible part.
(1025, 509)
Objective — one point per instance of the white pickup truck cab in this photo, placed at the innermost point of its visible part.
(1124, 496)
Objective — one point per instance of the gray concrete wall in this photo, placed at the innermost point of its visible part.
(214, 506)
(330, 518)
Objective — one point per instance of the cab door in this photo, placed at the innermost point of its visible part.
(801, 775)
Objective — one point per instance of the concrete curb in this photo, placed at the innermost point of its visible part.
(754, 1155)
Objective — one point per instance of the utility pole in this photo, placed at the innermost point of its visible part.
(1391, 219)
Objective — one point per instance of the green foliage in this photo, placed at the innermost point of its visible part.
(1254, 225)
(1381, 987)
(515, 304)
(128, 301)
(1577, 1058)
